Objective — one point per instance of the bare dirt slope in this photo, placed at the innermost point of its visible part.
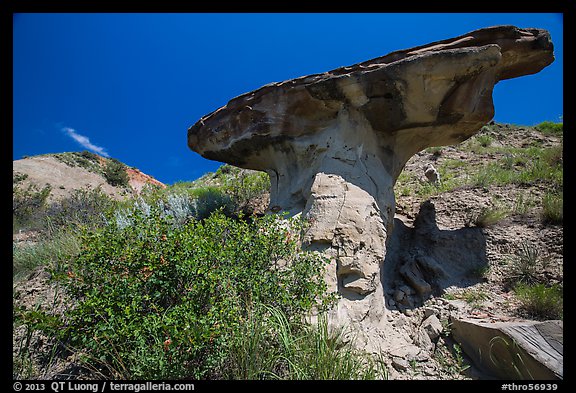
(64, 176)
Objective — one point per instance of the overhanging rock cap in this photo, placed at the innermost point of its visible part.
(447, 82)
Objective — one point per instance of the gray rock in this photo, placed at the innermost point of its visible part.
(412, 275)
(431, 265)
(407, 290)
(400, 364)
(399, 295)
(429, 311)
(432, 327)
(408, 352)
(422, 339)
(513, 350)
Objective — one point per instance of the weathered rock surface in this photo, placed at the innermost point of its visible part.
(513, 350)
(335, 143)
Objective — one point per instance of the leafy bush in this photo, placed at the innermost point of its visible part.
(540, 301)
(115, 173)
(155, 300)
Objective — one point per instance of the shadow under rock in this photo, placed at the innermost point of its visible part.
(423, 260)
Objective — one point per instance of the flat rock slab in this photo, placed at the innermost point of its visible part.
(513, 350)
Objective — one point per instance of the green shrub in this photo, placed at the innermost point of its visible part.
(484, 140)
(157, 301)
(115, 173)
(28, 206)
(82, 207)
(18, 177)
(553, 156)
(242, 185)
(85, 159)
(210, 199)
(89, 155)
(539, 301)
(436, 151)
(230, 187)
(549, 127)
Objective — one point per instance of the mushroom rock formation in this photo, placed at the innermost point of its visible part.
(335, 143)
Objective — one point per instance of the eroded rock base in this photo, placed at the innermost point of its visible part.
(395, 310)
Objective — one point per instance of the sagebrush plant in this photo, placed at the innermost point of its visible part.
(208, 199)
(154, 300)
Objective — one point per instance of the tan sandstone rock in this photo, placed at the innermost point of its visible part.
(335, 143)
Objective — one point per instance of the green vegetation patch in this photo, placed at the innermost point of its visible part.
(84, 159)
(550, 128)
(156, 301)
(115, 173)
(553, 208)
(540, 301)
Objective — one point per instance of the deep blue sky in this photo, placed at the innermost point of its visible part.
(130, 85)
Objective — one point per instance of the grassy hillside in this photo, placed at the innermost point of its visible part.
(193, 281)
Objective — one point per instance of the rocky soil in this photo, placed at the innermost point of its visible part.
(484, 293)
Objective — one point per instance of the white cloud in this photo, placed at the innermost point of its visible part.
(84, 141)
